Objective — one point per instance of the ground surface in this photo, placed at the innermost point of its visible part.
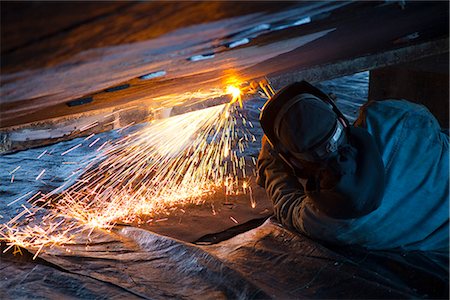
(263, 263)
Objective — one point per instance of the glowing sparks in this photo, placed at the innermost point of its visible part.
(173, 161)
(166, 164)
(13, 171)
(235, 93)
(40, 174)
(18, 199)
(71, 149)
(35, 236)
(42, 154)
(234, 220)
(170, 162)
(94, 142)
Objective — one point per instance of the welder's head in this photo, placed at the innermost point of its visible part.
(307, 131)
(303, 124)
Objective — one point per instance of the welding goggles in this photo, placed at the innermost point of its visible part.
(278, 105)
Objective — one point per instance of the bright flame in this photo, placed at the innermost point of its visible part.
(235, 93)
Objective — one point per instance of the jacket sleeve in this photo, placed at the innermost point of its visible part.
(282, 187)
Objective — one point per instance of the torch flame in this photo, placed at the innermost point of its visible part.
(236, 94)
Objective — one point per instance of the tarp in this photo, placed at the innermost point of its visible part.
(265, 262)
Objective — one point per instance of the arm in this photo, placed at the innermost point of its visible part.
(283, 188)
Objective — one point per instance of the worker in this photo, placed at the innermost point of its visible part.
(380, 183)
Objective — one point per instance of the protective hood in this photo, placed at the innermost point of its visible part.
(305, 124)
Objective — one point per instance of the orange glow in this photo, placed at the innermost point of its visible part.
(235, 93)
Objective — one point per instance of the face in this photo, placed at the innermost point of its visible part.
(302, 168)
(300, 164)
(318, 170)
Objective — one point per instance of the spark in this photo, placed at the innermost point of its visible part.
(162, 220)
(94, 142)
(125, 127)
(71, 149)
(90, 136)
(42, 154)
(89, 126)
(101, 147)
(18, 199)
(252, 200)
(13, 171)
(40, 174)
(17, 250)
(27, 210)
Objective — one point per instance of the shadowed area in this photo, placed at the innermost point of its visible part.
(266, 262)
(191, 46)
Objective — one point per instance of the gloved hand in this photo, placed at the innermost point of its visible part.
(283, 188)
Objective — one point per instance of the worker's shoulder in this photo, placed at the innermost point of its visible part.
(398, 105)
(393, 110)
